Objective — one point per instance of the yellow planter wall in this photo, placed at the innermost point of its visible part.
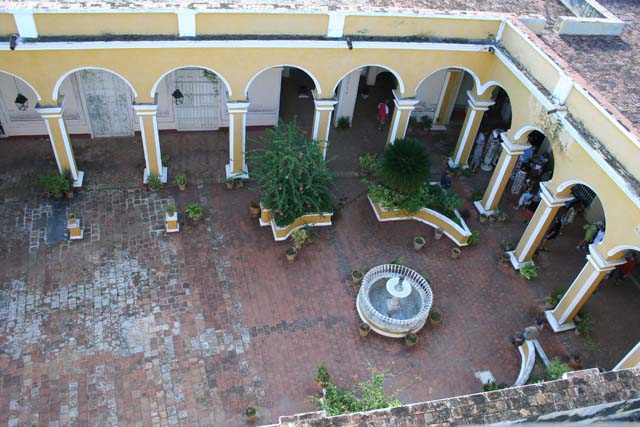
(459, 235)
(283, 233)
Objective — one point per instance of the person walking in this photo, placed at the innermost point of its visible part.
(590, 231)
(553, 232)
(383, 112)
(445, 179)
(476, 160)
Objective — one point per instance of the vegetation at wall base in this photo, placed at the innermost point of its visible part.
(292, 176)
(427, 196)
(556, 369)
(528, 271)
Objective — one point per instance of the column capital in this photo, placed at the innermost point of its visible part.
(323, 104)
(549, 199)
(599, 263)
(404, 103)
(51, 111)
(145, 109)
(238, 106)
(510, 148)
(477, 103)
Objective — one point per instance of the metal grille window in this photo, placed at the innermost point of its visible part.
(584, 194)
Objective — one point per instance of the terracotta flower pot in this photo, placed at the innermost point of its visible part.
(291, 254)
(418, 243)
(455, 253)
(364, 329)
(438, 232)
(356, 277)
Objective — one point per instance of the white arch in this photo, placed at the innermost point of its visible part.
(395, 74)
(489, 84)
(23, 81)
(476, 79)
(621, 248)
(526, 129)
(155, 85)
(571, 183)
(315, 81)
(56, 88)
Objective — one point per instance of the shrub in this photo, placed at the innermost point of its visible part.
(154, 182)
(292, 176)
(165, 159)
(181, 179)
(343, 123)
(170, 210)
(405, 166)
(299, 236)
(322, 375)
(56, 185)
(428, 196)
(556, 369)
(474, 238)
(367, 163)
(194, 211)
(528, 271)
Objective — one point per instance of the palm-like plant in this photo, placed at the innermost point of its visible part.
(405, 166)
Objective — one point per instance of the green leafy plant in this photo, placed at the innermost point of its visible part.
(553, 298)
(210, 75)
(435, 315)
(427, 122)
(292, 176)
(299, 236)
(322, 375)
(556, 369)
(170, 209)
(477, 195)
(528, 271)
(397, 261)
(508, 245)
(194, 211)
(367, 163)
(181, 179)
(55, 185)
(474, 238)
(584, 325)
(343, 123)
(491, 386)
(427, 196)
(154, 182)
(250, 413)
(362, 396)
(405, 166)
(165, 159)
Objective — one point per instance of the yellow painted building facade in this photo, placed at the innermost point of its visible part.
(143, 46)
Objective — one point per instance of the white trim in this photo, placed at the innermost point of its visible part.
(274, 227)
(501, 174)
(634, 350)
(56, 88)
(536, 231)
(150, 110)
(478, 104)
(316, 125)
(555, 326)
(67, 148)
(584, 288)
(501, 30)
(237, 107)
(511, 148)
(232, 139)
(386, 68)
(475, 77)
(186, 22)
(317, 88)
(531, 44)
(25, 23)
(394, 127)
(620, 248)
(599, 262)
(335, 27)
(527, 128)
(154, 89)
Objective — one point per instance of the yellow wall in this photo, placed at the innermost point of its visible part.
(264, 23)
(397, 26)
(7, 24)
(72, 24)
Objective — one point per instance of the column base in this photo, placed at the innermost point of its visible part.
(555, 325)
(514, 261)
(171, 230)
(229, 172)
(453, 164)
(163, 178)
(482, 210)
(439, 127)
(78, 182)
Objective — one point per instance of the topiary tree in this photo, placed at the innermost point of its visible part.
(405, 166)
(292, 175)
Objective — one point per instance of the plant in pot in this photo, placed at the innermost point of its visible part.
(528, 271)
(508, 245)
(71, 218)
(505, 258)
(299, 237)
(194, 212)
(418, 243)
(410, 340)
(356, 276)
(238, 182)
(364, 329)
(291, 254)
(502, 216)
(438, 232)
(165, 160)
(323, 379)
(254, 209)
(230, 182)
(154, 183)
(343, 123)
(181, 181)
(483, 218)
(427, 123)
(455, 253)
(583, 327)
(170, 209)
(250, 413)
(435, 317)
(292, 176)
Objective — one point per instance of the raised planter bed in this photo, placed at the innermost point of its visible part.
(458, 234)
(283, 233)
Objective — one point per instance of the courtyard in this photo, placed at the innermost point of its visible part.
(132, 326)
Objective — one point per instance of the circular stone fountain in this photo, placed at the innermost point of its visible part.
(394, 300)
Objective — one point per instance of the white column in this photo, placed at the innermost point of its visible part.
(469, 131)
(347, 96)
(631, 360)
(322, 121)
(237, 166)
(401, 114)
(148, 120)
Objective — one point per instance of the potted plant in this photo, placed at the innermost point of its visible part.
(71, 217)
(238, 182)
(181, 181)
(291, 254)
(154, 183)
(410, 340)
(474, 238)
(322, 376)
(508, 245)
(455, 253)
(170, 209)
(343, 123)
(194, 212)
(292, 176)
(502, 216)
(427, 123)
(299, 236)
(438, 232)
(254, 209)
(171, 219)
(250, 412)
(506, 258)
(230, 182)
(356, 276)
(364, 329)
(418, 243)
(528, 271)
(435, 317)
(583, 327)
(367, 163)
(483, 218)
